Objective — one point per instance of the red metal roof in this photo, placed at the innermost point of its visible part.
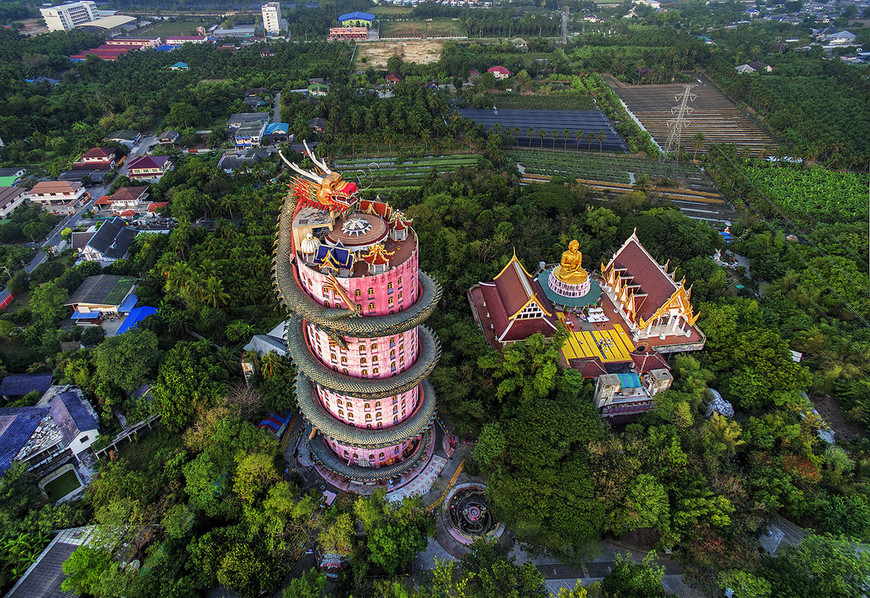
(148, 162)
(157, 205)
(103, 201)
(103, 153)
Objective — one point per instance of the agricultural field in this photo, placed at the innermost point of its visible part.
(176, 28)
(811, 191)
(381, 175)
(614, 169)
(559, 100)
(436, 27)
(712, 114)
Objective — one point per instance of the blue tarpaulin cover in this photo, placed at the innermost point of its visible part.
(128, 304)
(134, 317)
(629, 380)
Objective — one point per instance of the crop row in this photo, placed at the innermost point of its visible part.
(604, 168)
(811, 191)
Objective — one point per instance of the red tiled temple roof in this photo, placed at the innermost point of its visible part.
(654, 283)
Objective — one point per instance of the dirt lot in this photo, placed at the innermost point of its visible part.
(377, 53)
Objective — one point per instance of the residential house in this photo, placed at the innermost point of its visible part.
(744, 69)
(101, 296)
(248, 119)
(10, 198)
(125, 198)
(841, 38)
(249, 135)
(318, 125)
(101, 158)
(254, 102)
(318, 90)
(169, 138)
(15, 386)
(125, 137)
(178, 40)
(43, 81)
(48, 436)
(267, 52)
(148, 168)
(276, 133)
(179, 66)
(58, 197)
(499, 72)
(393, 78)
(154, 208)
(760, 66)
(110, 243)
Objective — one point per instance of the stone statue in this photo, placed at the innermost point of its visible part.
(570, 268)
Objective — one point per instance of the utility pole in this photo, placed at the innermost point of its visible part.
(566, 10)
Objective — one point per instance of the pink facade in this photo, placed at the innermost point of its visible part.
(377, 294)
(375, 457)
(379, 357)
(370, 413)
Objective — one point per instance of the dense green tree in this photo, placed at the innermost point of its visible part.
(188, 379)
(128, 360)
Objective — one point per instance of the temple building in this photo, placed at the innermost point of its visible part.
(620, 325)
(512, 307)
(347, 271)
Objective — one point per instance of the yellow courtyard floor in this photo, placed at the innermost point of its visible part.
(611, 344)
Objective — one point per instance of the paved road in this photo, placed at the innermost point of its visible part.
(53, 239)
(276, 111)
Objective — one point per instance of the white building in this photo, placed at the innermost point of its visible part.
(58, 197)
(272, 18)
(69, 16)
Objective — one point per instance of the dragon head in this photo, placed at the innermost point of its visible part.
(322, 189)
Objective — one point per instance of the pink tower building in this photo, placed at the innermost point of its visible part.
(348, 271)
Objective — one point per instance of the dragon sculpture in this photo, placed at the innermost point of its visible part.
(324, 190)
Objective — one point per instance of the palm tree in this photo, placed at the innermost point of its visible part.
(578, 134)
(601, 137)
(530, 132)
(270, 364)
(554, 134)
(542, 133)
(698, 140)
(589, 137)
(212, 292)
(565, 134)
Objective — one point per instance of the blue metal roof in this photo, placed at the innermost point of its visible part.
(165, 48)
(128, 304)
(18, 385)
(71, 416)
(17, 424)
(276, 128)
(356, 16)
(91, 315)
(136, 315)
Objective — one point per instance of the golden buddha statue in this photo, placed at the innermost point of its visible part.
(570, 269)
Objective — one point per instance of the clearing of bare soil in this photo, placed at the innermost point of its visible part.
(377, 53)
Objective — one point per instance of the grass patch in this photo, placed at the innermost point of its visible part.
(437, 27)
(177, 28)
(391, 11)
(62, 485)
